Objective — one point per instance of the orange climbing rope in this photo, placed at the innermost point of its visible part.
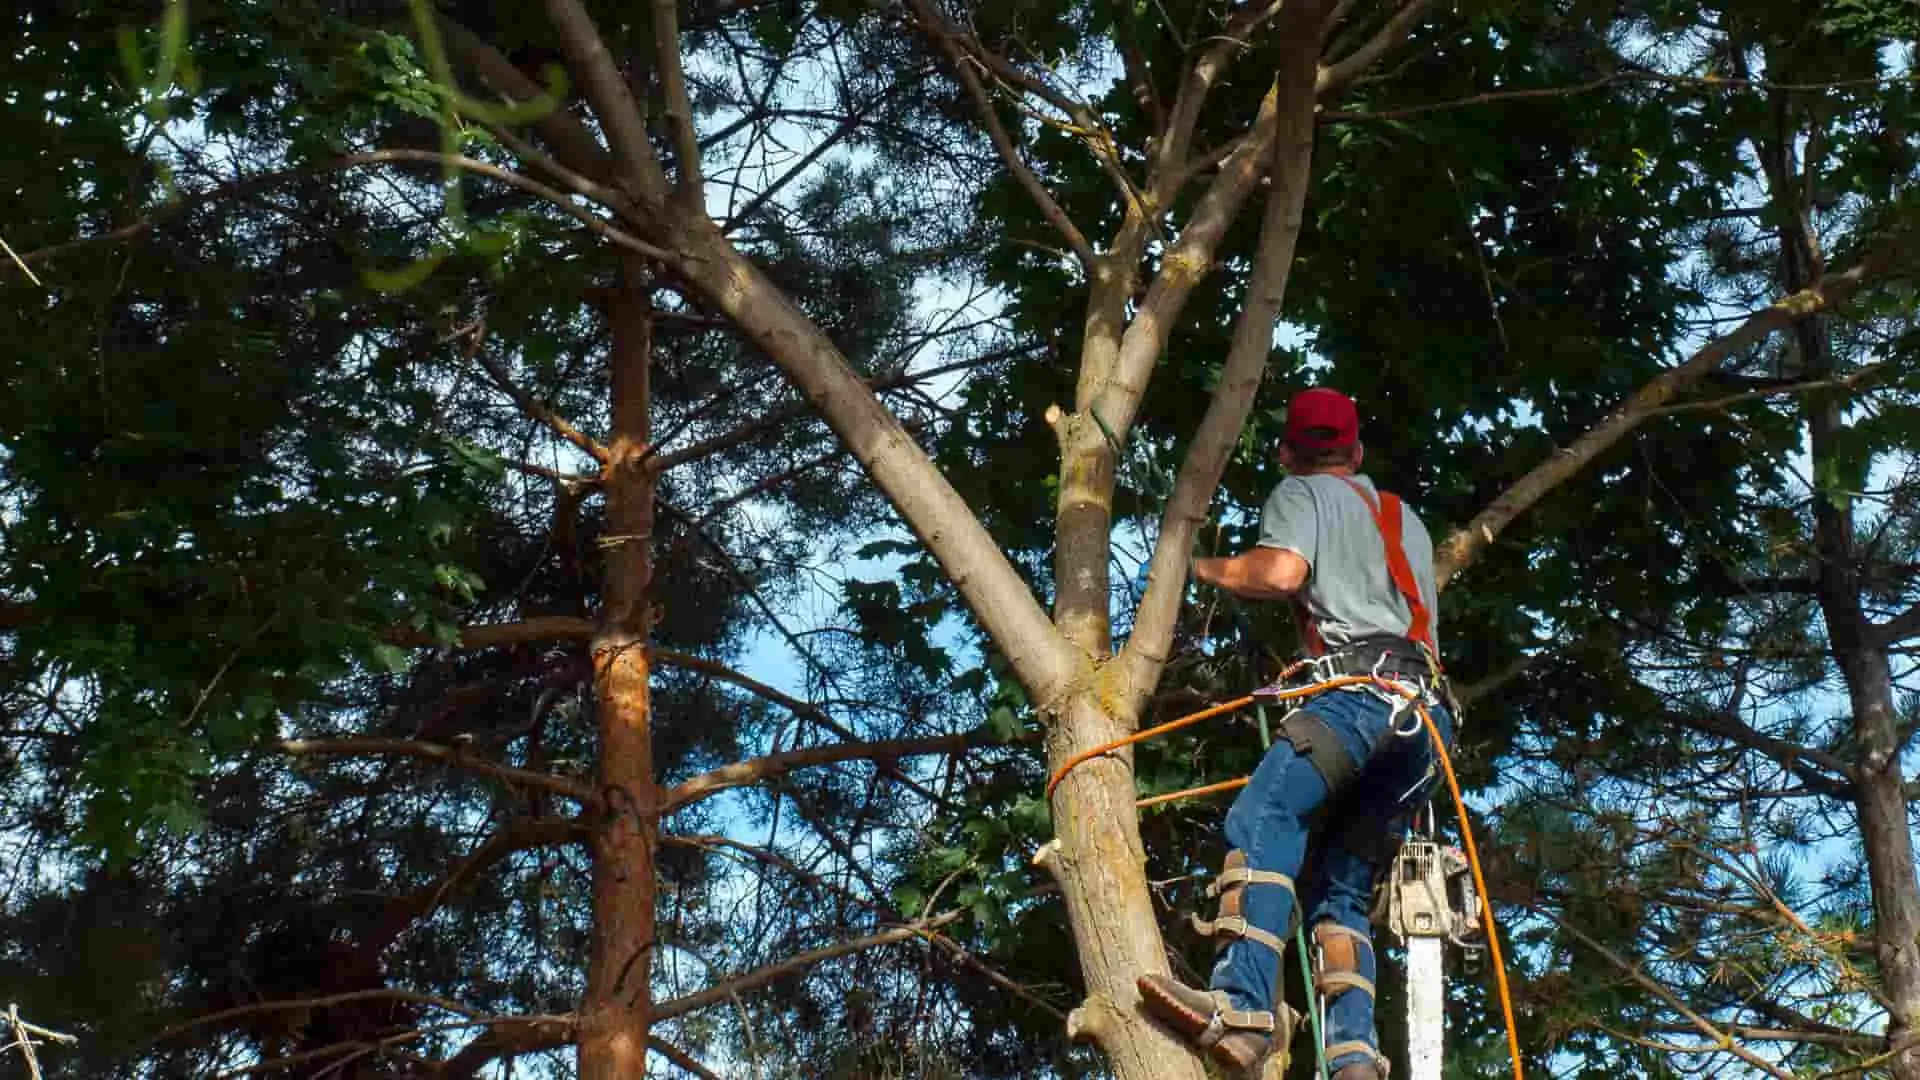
(1311, 690)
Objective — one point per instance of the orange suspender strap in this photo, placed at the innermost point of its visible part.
(1386, 517)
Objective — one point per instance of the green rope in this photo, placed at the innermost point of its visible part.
(1266, 734)
(1313, 1008)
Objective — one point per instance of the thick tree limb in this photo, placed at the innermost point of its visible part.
(1336, 76)
(1144, 656)
(446, 755)
(968, 554)
(569, 139)
(679, 110)
(508, 1037)
(680, 1058)
(613, 102)
(743, 773)
(1892, 632)
(1116, 398)
(1460, 549)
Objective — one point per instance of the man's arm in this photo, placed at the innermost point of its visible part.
(1265, 573)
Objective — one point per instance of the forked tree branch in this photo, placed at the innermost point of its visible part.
(1117, 399)
(1145, 654)
(1336, 76)
(1170, 165)
(612, 100)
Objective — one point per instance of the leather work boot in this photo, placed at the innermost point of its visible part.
(1239, 1041)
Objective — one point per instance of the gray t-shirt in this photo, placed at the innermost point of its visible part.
(1348, 590)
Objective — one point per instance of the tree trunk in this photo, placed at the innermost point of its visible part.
(1880, 795)
(1880, 790)
(1097, 856)
(618, 1008)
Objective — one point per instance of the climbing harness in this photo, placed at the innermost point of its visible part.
(1415, 700)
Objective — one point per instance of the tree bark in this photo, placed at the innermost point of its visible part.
(618, 1009)
(1097, 856)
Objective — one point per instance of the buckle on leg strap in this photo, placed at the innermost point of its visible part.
(1227, 1019)
(1334, 983)
(1242, 875)
(1237, 926)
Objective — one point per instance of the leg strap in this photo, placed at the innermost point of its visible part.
(1226, 1018)
(1334, 983)
(1230, 922)
(1340, 1050)
(1339, 959)
(1235, 926)
(1313, 739)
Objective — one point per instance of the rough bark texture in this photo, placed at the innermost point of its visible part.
(618, 1008)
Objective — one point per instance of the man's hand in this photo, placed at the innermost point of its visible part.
(1261, 574)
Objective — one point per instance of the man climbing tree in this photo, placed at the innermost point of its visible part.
(1359, 570)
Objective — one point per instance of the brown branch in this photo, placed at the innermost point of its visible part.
(1170, 167)
(1802, 761)
(743, 773)
(519, 835)
(679, 110)
(680, 1058)
(1467, 543)
(760, 424)
(1490, 98)
(613, 102)
(1336, 76)
(537, 410)
(488, 635)
(1853, 381)
(446, 755)
(569, 139)
(1182, 270)
(508, 1037)
(1646, 982)
(793, 965)
(1145, 654)
(934, 25)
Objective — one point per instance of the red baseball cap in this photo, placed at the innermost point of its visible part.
(1322, 419)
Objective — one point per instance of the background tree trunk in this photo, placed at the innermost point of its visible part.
(618, 1008)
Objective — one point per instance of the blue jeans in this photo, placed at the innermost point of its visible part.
(1269, 822)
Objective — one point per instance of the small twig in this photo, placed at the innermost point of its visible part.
(24, 1032)
(20, 262)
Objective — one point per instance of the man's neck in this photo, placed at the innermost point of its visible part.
(1329, 470)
